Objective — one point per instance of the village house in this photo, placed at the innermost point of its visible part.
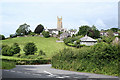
(72, 32)
(106, 33)
(88, 41)
(64, 35)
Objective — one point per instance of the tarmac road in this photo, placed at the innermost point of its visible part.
(45, 71)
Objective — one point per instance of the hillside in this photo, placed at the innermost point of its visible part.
(48, 45)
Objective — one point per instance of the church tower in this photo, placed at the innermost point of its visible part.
(59, 23)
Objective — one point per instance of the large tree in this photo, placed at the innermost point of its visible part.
(39, 29)
(83, 30)
(114, 29)
(90, 31)
(23, 29)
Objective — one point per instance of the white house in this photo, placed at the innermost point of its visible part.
(88, 41)
(116, 33)
(72, 32)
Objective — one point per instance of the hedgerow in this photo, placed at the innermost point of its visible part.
(101, 58)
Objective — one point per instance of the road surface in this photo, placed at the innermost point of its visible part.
(45, 71)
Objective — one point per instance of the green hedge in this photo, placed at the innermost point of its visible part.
(101, 58)
(29, 61)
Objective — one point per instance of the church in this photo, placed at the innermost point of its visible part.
(59, 27)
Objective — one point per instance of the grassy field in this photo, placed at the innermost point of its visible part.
(48, 45)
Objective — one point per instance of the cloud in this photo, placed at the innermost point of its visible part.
(74, 13)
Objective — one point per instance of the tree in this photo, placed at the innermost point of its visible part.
(94, 27)
(83, 30)
(45, 34)
(114, 29)
(2, 37)
(30, 48)
(23, 29)
(90, 31)
(97, 34)
(39, 29)
(110, 33)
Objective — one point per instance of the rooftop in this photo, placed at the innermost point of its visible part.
(87, 38)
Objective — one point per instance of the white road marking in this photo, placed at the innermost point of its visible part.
(59, 77)
(51, 75)
(48, 72)
(6, 70)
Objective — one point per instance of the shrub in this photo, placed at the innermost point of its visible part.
(32, 33)
(22, 56)
(71, 44)
(72, 40)
(45, 34)
(41, 53)
(2, 37)
(15, 48)
(101, 58)
(16, 55)
(78, 41)
(5, 49)
(13, 35)
(30, 48)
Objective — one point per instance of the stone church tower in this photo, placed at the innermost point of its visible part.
(59, 23)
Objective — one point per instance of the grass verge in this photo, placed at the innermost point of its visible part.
(7, 64)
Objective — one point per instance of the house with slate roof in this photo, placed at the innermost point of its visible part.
(88, 41)
(64, 35)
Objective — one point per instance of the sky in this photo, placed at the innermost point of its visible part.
(102, 14)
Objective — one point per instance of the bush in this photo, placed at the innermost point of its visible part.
(13, 35)
(17, 55)
(41, 53)
(101, 58)
(30, 48)
(72, 40)
(2, 37)
(71, 44)
(45, 34)
(77, 41)
(28, 61)
(32, 33)
(15, 48)
(5, 50)
(22, 56)
(10, 51)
